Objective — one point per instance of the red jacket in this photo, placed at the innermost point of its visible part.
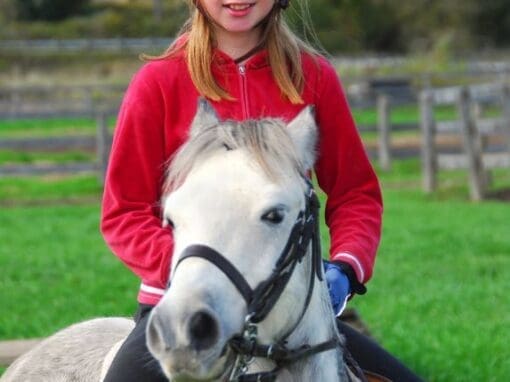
(153, 122)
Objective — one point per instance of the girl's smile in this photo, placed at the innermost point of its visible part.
(236, 23)
(238, 9)
(237, 15)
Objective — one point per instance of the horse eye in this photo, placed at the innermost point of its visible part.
(274, 216)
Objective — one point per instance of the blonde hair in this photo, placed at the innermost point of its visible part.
(284, 48)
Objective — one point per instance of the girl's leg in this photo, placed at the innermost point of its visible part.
(133, 362)
(373, 358)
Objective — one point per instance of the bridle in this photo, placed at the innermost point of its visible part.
(261, 300)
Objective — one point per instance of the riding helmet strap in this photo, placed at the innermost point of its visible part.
(283, 3)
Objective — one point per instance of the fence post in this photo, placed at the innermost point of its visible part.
(88, 99)
(506, 114)
(428, 147)
(102, 145)
(16, 102)
(384, 127)
(477, 110)
(472, 146)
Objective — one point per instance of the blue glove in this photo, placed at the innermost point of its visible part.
(338, 285)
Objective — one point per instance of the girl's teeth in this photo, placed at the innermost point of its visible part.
(239, 7)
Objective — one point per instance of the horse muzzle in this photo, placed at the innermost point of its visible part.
(188, 346)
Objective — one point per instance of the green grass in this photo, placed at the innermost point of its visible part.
(402, 114)
(438, 298)
(38, 190)
(56, 270)
(86, 126)
(26, 128)
(35, 127)
(34, 157)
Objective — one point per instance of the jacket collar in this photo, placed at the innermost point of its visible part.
(259, 60)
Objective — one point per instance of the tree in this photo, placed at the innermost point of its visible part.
(427, 22)
(491, 23)
(49, 10)
(355, 25)
(157, 10)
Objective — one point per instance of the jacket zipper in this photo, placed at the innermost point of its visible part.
(244, 91)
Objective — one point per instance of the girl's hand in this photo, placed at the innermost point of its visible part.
(338, 286)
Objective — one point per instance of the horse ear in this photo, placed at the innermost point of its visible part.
(303, 132)
(205, 117)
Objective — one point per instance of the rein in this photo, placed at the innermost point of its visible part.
(261, 300)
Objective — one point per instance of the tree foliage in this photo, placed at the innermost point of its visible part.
(491, 22)
(50, 10)
(340, 25)
(395, 25)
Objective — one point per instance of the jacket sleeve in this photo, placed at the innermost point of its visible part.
(354, 202)
(130, 218)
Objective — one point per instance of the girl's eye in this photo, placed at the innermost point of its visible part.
(274, 216)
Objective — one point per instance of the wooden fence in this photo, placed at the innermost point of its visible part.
(101, 102)
(478, 153)
(383, 95)
(120, 45)
(43, 103)
(100, 143)
(472, 128)
(40, 102)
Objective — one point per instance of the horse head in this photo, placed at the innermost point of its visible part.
(234, 191)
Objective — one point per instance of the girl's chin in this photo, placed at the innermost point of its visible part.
(240, 29)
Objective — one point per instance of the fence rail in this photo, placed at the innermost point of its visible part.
(120, 44)
(31, 102)
(85, 143)
(102, 101)
(100, 143)
(42, 102)
(474, 130)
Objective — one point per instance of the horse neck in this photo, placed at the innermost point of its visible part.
(318, 325)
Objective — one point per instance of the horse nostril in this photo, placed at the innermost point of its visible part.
(203, 330)
(158, 335)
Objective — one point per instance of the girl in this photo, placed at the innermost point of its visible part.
(242, 57)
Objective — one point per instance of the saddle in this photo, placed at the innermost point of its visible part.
(351, 317)
(356, 374)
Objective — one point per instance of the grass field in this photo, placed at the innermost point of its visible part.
(54, 126)
(86, 126)
(438, 299)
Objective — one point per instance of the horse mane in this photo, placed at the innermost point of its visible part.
(266, 140)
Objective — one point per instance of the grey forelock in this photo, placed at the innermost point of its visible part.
(266, 140)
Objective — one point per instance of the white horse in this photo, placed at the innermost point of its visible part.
(247, 299)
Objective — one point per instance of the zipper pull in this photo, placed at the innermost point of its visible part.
(242, 69)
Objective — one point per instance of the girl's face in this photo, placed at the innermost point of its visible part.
(237, 16)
